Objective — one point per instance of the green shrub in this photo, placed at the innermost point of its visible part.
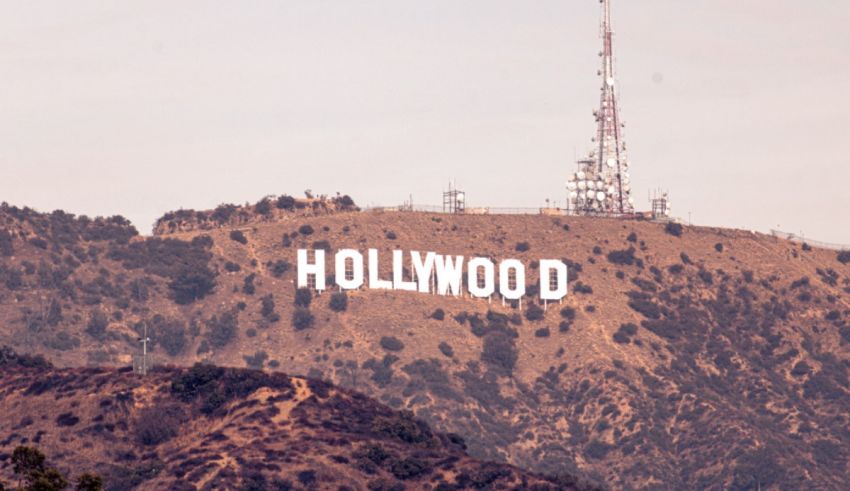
(222, 329)
(238, 236)
(844, 257)
(257, 360)
(267, 309)
(6, 243)
(248, 287)
(263, 207)
(622, 257)
(170, 334)
(339, 302)
(279, 268)
(522, 247)
(534, 312)
(674, 229)
(158, 424)
(305, 229)
(303, 297)
(500, 351)
(285, 202)
(191, 284)
(391, 343)
(96, 327)
(302, 319)
(438, 314)
(446, 349)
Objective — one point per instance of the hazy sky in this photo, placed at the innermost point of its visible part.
(740, 108)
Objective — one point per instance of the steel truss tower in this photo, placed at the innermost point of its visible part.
(601, 185)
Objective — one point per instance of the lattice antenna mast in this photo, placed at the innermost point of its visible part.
(612, 148)
(601, 185)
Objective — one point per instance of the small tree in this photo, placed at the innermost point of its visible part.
(303, 297)
(674, 229)
(192, 283)
(285, 202)
(302, 319)
(89, 482)
(97, 324)
(238, 236)
(339, 302)
(534, 313)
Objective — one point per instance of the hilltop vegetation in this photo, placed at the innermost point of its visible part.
(683, 357)
(209, 427)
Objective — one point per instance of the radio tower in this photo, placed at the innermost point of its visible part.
(601, 184)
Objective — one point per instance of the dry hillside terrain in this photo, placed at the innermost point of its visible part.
(213, 428)
(683, 357)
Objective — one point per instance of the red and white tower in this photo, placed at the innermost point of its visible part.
(601, 184)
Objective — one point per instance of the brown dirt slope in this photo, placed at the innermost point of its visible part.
(714, 359)
(214, 428)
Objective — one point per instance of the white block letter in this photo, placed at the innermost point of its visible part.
(449, 274)
(305, 269)
(504, 279)
(374, 279)
(489, 277)
(398, 273)
(356, 280)
(423, 269)
(547, 267)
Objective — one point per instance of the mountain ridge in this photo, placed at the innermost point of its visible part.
(682, 357)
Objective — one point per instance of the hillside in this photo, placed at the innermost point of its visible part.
(214, 428)
(709, 359)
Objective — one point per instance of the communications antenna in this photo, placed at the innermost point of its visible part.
(454, 200)
(660, 203)
(601, 185)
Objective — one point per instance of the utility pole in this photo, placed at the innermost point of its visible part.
(142, 367)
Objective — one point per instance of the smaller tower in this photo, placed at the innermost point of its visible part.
(660, 203)
(454, 200)
(140, 362)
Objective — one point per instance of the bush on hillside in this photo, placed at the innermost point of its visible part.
(97, 324)
(534, 312)
(674, 229)
(391, 343)
(522, 247)
(438, 314)
(285, 202)
(263, 207)
(302, 319)
(238, 236)
(257, 360)
(192, 283)
(303, 297)
(446, 349)
(500, 352)
(279, 268)
(6, 244)
(622, 257)
(844, 257)
(305, 229)
(170, 334)
(221, 329)
(338, 302)
(158, 424)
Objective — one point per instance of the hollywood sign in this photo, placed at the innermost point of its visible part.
(432, 273)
